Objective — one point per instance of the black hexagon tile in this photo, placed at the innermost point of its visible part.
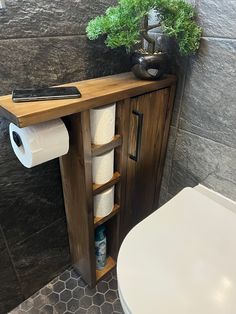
(69, 294)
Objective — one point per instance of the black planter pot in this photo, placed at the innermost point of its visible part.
(148, 66)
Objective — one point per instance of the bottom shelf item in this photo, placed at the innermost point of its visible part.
(110, 264)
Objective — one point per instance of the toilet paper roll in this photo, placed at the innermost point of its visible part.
(102, 122)
(103, 167)
(39, 143)
(104, 203)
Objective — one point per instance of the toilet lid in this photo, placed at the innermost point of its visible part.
(181, 259)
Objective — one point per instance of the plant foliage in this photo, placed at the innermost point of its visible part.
(122, 24)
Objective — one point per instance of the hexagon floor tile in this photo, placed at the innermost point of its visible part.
(69, 294)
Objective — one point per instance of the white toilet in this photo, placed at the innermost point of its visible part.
(182, 258)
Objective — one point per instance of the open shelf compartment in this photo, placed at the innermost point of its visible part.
(98, 188)
(112, 234)
(109, 266)
(100, 220)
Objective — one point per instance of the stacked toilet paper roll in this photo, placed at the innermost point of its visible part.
(39, 143)
(104, 203)
(102, 122)
(103, 167)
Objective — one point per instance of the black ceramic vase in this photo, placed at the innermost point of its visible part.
(147, 66)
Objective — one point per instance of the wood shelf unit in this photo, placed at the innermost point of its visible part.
(95, 93)
(109, 266)
(137, 183)
(100, 220)
(98, 188)
(101, 149)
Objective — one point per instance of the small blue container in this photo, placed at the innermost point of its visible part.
(100, 247)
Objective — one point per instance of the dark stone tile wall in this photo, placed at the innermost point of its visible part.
(202, 143)
(27, 18)
(53, 60)
(41, 43)
(40, 256)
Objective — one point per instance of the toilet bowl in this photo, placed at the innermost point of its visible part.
(181, 259)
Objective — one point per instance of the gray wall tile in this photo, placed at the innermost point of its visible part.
(30, 199)
(169, 157)
(53, 60)
(27, 18)
(39, 258)
(6, 152)
(10, 291)
(165, 196)
(177, 65)
(217, 17)
(199, 160)
(205, 120)
(209, 107)
(2, 241)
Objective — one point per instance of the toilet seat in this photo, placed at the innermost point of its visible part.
(181, 259)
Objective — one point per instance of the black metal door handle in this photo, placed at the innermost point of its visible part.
(138, 136)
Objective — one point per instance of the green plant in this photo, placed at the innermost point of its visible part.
(126, 23)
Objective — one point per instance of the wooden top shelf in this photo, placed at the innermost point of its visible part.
(95, 93)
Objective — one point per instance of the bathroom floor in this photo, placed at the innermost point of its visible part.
(68, 294)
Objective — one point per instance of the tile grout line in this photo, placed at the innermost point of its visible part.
(12, 262)
(206, 138)
(203, 37)
(178, 122)
(33, 234)
(42, 37)
(218, 38)
(69, 293)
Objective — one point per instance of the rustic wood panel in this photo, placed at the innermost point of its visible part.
(76, 171)
(100, 220)
(101, 149)
(98, 188)
(166, 126)
(95, 92)
(121, 158)
(141, 175)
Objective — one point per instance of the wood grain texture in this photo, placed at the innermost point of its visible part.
(100, 220)
(162, 154)
(121, 159)
(109, 266)
(76, 170)
(101, 149)
(98, 188)
(141, 175)
(95, 92)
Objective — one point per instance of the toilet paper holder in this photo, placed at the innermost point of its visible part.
(17, 139)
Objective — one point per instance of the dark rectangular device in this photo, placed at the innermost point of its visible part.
(48, 93)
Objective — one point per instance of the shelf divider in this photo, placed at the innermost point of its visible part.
(101, 149)
(109, 266)
(100, 220)
(98, 188)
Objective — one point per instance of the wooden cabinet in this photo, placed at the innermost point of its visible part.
(147, 126)
(142, 124)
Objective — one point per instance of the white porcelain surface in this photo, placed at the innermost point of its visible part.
(217, 197)
(181, 259)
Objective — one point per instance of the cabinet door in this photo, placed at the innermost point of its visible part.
(146, 132)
